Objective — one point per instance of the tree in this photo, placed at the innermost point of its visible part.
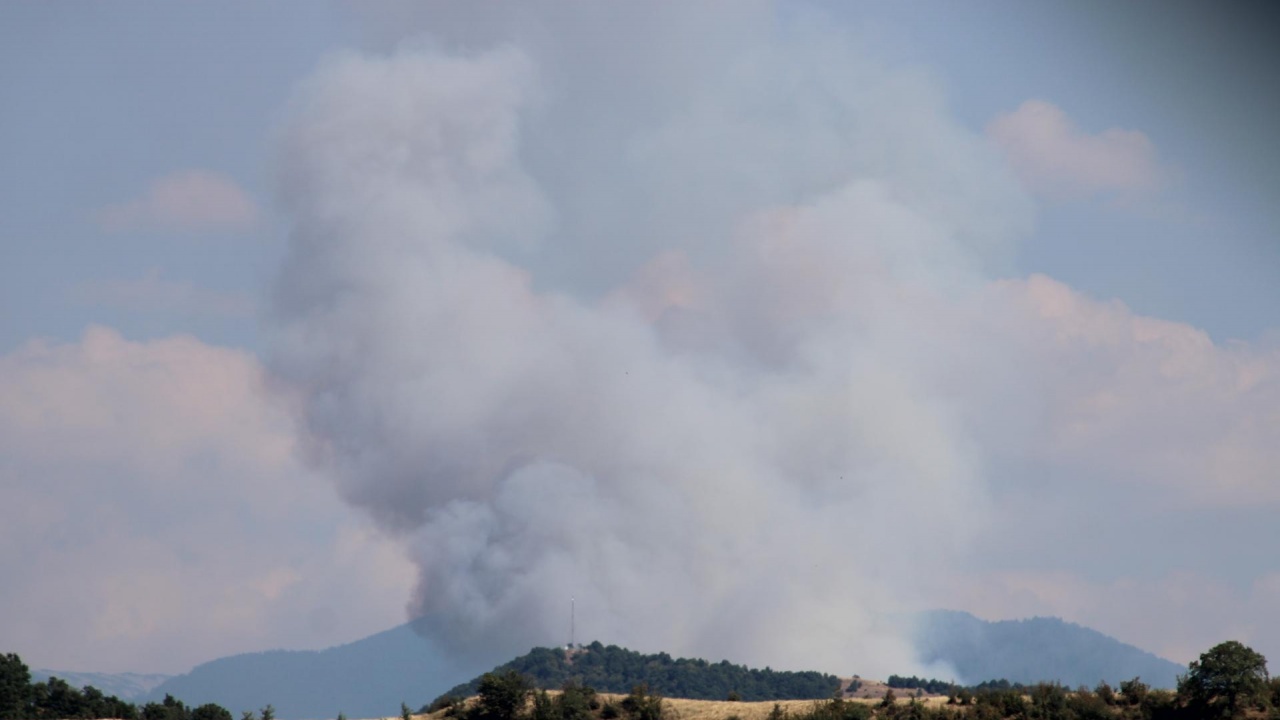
(1225, 679)
(15, 681)
(642, 704)
(574, 702)
(543, 707)
(1134, 691)
(268, 712)
(888, 699)
(210, 711)
(502, 695)
(55, 698)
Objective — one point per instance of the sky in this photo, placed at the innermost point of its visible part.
(317, 317)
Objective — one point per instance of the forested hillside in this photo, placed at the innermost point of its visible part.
(614, 669)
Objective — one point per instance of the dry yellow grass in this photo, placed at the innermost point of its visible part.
(682, 709)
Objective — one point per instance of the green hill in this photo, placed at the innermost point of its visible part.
(614, 669)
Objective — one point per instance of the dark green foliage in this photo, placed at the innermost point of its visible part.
(642, 704)
(1225, 680)
(1160, 705)
(937, 687)
(613, 669)
(210, 711)
(1005, 703)
(267, 713)
(502, 695)
(1134, 691)
(834, 709)
(1085, 705)
(450, 703)
(998, 686)
(55, 698)
(544, 708)
(171, 709)
(1048, 700)
(575, 702)
(888, 699)
(15, 682)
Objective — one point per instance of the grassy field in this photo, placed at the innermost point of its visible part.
(682, 709)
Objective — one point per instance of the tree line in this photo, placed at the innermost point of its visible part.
(1228, 681)
(55, 699)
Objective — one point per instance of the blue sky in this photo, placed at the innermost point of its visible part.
(1037, 247)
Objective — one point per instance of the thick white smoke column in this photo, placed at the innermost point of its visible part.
(744, 443)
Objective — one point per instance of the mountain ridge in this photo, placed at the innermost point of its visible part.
(1035, 649)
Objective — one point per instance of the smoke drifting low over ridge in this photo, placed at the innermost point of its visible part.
(692, 327)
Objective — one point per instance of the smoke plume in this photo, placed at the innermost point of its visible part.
(666, 309)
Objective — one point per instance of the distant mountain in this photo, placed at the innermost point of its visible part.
(618, 670)
(366, 678)
(1039, 649)
(126, 686)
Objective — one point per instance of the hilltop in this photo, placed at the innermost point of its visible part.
(617, 670)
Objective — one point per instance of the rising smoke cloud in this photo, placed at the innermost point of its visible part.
(680, 325)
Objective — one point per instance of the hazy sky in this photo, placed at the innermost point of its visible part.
(787, 318)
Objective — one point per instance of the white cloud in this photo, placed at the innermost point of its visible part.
(1133, 468)
(1056, 159)
(154, 515)
(190, 200)
(1157, 402)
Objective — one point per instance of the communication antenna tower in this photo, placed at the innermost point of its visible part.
(572, 618)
